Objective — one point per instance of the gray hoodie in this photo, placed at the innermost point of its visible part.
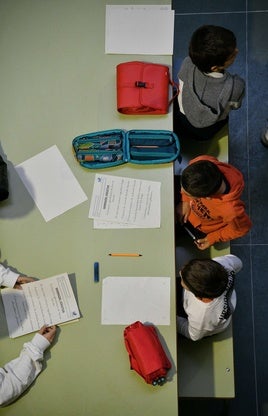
(207, 100)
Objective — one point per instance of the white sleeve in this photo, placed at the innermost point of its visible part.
(230, 262)
(180, 96)
(7, 277)
(19, 373)
(183, 326)
(188, 330)
(186, 326)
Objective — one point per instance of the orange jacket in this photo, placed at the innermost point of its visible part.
(222, 216)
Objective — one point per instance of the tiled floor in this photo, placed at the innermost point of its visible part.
(249, 21)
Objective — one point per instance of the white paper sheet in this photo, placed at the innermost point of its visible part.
(45, 302)
(129, 299)
(126, 200)
(140, 6)
(51, 183)
(145, 30)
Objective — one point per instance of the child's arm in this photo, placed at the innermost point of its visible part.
(19, 373)
(185, 328)
(230, 262)
(182, 211)
(8, 278)
(182, 326)
(235, 224)
(236, 228)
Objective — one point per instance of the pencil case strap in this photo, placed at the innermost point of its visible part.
(175, 89)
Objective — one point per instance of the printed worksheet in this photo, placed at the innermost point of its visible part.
(126, 200)
(49, 301)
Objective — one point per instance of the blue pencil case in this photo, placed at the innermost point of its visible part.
(110, 148)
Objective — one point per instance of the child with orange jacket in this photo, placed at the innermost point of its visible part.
(210, 201)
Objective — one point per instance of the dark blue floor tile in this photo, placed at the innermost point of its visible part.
(260, 308)
(205, 6)
(257, 5)
(203, 407)
(257, 79)
(259, 199)
(238, 137)
(257, 122)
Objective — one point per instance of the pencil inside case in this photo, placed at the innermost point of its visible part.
(99, 144)
(100, 156)
(101, 149)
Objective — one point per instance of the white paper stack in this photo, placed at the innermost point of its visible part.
(139, 29)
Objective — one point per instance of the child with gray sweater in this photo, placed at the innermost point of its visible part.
(207, 91)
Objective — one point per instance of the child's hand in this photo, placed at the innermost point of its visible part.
(48, 332)
(183, 210)
(202, 243)
(21, 280)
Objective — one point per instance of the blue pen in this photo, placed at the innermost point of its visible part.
(96, 272)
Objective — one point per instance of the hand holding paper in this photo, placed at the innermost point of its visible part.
(48, 301)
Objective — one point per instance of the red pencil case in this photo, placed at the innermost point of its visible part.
(146, 354)
(143, 88)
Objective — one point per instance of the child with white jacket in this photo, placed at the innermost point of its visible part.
(209, 298)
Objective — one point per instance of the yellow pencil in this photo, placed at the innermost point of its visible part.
(125, 255)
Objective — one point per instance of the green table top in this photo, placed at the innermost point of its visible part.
(57, 83)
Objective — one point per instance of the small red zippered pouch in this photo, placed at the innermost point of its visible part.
(146, 354)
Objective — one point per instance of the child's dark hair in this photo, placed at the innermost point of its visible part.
(201, 179)
(205, 278)
(211, 46)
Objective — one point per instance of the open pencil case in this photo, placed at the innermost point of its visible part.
(110, 148)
